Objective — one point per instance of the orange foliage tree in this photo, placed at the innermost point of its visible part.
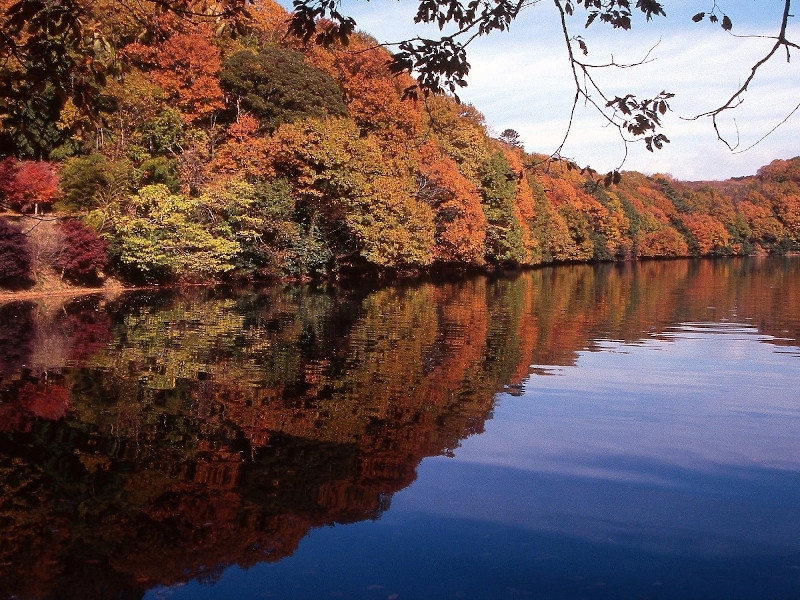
(580, 213)
(460, 222)
(549, 227)
(709, 234)
(614, 228)
(524, 206)
(186, 67)
(664, 242)
(267, 21)
(373, 95)
(787, 209)
(460, 131)
(765, 229)
(244, 152)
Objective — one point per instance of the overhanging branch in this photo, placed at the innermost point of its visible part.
(736, 99)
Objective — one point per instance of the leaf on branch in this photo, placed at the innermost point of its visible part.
(656, 141)
(411, 93)
(650, 8)
(440, 65)
(727, 25)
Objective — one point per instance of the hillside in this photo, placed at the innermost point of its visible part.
(199, 149)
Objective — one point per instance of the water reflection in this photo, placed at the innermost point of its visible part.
(158, 438)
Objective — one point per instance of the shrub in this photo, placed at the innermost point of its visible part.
(15, 256)
(84, 255)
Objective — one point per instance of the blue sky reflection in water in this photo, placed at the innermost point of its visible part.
(668, 468)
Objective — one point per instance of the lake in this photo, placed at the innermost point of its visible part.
(587, 431)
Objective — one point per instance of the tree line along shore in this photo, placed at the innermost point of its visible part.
(222, 153)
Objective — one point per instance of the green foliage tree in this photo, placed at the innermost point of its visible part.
(160, 169)
(277, 86)
(90, 181)
(164, 134)
(581, 231)
(29, 127)
(511, 137)
(261, 217)
(164, 235)
(461, 132)
(364, 206)
(503, 232)
(81, 179)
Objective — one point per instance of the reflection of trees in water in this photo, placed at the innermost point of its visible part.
(183, 433)
(17, 330)
(215, 431)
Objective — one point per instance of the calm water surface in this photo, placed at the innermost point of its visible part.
(576, 432)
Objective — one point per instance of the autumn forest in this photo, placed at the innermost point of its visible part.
(155, 146)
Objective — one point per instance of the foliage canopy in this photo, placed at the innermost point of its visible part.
(215, 147)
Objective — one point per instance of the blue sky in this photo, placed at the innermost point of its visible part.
(520, 80)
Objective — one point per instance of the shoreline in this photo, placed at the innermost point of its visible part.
(7, 296)
(117, 287)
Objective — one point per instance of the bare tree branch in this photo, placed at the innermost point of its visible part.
(633, 119)
(770, 132)
(736, 99)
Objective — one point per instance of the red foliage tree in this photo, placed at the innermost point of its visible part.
(28, 185)
(84, 254)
